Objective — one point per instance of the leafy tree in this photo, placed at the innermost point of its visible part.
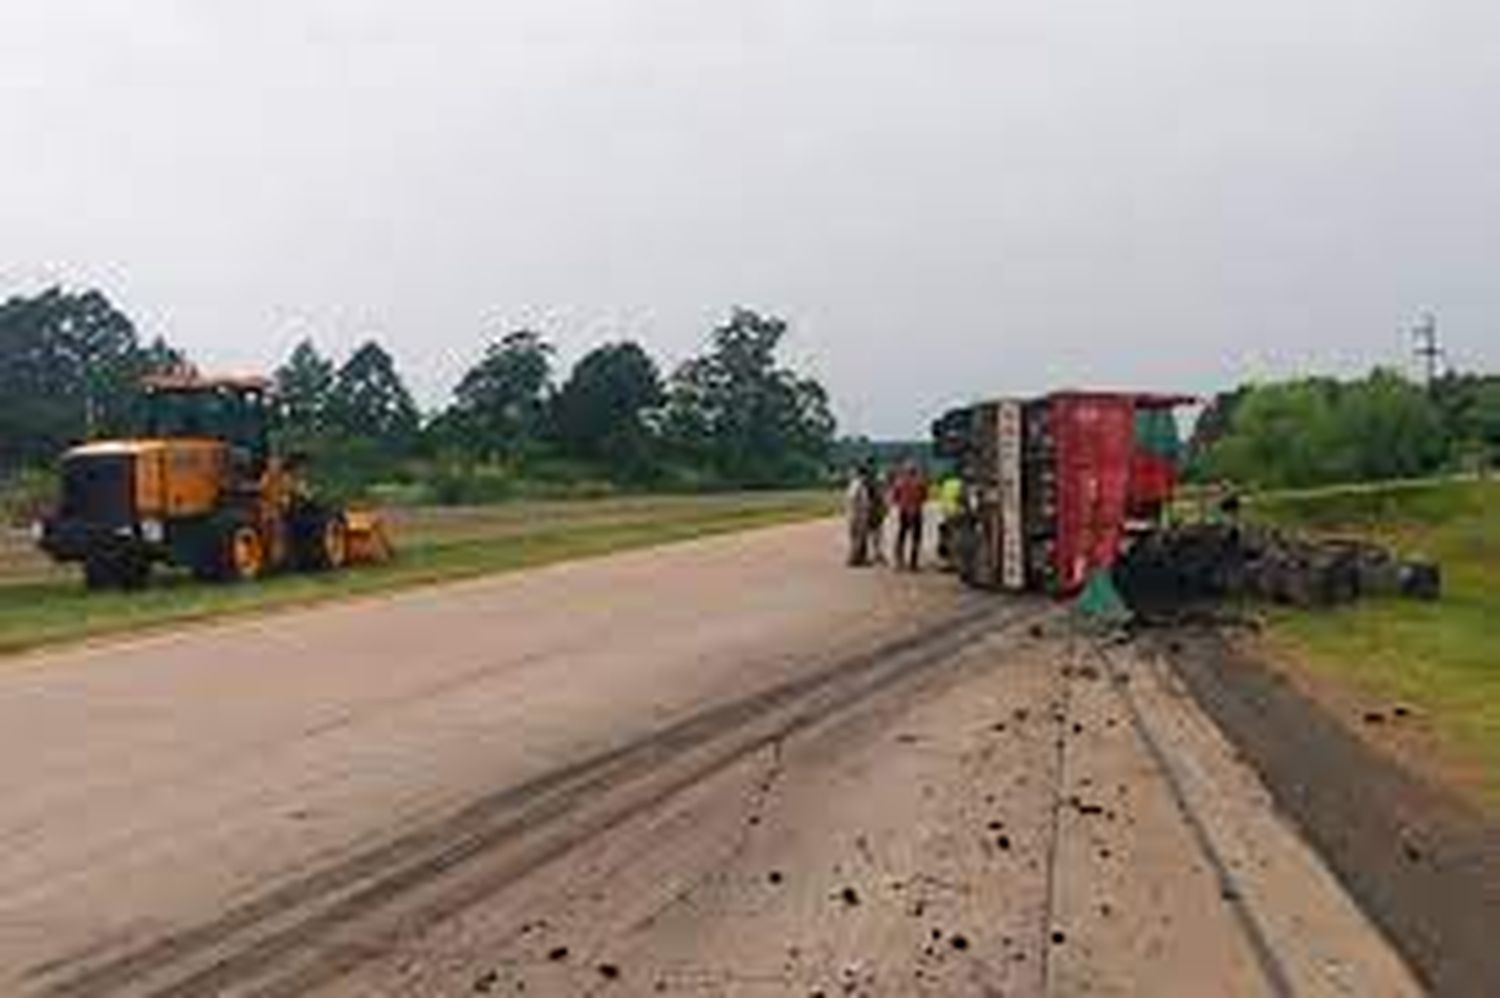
(1469, 407)
(70, 367)
(500, 404)
(1482, 425)
(1315, 430)
(1384, 427)
(370, 401)
(305, 385)
(1213, 425)
(160, 357)
(734, 409)
(600, 413)
(1277, 435)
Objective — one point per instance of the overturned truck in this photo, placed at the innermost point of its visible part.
(1067, 489)
(1054, 486)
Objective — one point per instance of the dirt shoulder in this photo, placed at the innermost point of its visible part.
(1422, 861)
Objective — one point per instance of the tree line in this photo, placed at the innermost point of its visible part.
(732, 416)
(1319, 431)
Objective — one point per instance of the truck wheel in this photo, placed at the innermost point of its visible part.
(244, 554)
(321, 540)
(134, 571)
(333, 546)
(116, 570)
(100, 572)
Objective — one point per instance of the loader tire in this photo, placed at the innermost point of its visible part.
(244, 554)
(320, 540)
(238, 553)
(99, 572)
(116, 570)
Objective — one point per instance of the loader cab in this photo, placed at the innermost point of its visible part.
(233, 410)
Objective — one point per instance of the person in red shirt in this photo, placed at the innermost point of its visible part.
(909, 496)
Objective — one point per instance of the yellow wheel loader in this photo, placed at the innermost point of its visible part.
(201, 489)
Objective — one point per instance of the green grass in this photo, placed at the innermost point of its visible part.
(41, 607)
(1443, 657)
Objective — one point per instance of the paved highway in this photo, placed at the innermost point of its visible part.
(724, 767)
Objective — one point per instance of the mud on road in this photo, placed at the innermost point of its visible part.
(1028, 814)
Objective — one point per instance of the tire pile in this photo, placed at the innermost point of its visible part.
(1191, 565)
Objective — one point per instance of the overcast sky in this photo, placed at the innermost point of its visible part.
(947, 198)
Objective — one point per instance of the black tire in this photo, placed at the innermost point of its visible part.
(134, 571)
(319, 539)
(218, 562)
(245, 553)
(207, 569)
(116, 570)
(101, 572)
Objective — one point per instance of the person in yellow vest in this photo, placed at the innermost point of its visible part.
(951, 507)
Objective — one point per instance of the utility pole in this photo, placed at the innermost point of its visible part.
(1428, 349)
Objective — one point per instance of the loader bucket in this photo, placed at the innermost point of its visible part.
(369, 543)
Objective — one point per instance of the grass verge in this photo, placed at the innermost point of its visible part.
(46, 612)
(1441, 657)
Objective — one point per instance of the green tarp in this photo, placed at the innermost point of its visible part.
(1100, 602)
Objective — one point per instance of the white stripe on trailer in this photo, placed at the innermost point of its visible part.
(1012, 544)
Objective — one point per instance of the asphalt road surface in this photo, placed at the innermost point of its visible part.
(724, 767)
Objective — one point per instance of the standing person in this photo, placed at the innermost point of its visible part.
(878, 508)
(951, 505)
(857, 503)
(909, 495)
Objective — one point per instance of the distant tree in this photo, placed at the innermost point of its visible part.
(1278, 436)
(70, 367)
(599, 415)
(370, 401)
(305, 386)
(809, 426)
(1482, 426)
(500, 404)
(1214, 422)
(160, 357)
(1385, 426)
(1315, 431)
(1469, 407)
(733, 408)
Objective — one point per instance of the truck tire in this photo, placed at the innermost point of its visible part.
(244, 554)
(320, 539)
(100, 572)
(116, 570)
(236, 553)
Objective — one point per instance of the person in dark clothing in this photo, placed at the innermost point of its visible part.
(909, 496)
(876, 531)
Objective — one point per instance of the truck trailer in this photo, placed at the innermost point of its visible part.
(1054, 486)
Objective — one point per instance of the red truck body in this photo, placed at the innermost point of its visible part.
(1093, 441)
(1056, 484)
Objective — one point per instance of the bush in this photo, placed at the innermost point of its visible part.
(26, 496)
(1316, 431)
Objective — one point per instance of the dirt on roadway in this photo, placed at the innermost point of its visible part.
(724, 767)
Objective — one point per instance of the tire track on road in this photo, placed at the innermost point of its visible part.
(316, 928)
(1278, 981)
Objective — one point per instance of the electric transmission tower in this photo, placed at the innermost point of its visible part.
(1428, 350)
